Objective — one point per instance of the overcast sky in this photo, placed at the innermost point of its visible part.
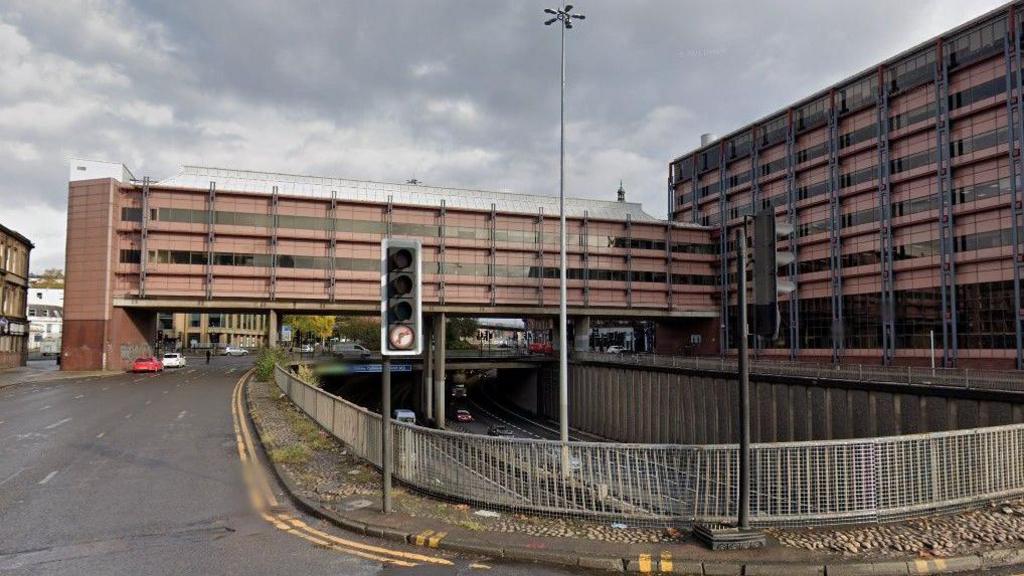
(451, 93)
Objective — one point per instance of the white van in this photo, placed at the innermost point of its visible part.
(351, 350)
(403, 415)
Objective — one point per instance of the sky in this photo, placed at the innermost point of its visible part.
(452, 93)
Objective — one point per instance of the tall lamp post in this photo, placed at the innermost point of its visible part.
(565, 16)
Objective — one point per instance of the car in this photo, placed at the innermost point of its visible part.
(351, 350)
(500, 431)
(235, 351)
(173, 360)
(147, 364)
(463, 416)
(306, 349)
(614, 350)
(541, 348)
(459, 391)
(403, 415)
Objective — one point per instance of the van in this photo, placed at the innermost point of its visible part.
(407, 416)
(350, 350)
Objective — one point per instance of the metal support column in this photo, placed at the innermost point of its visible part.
(947, 256)
(723, 254)
(386, 434)
(143, 237)
(273, 243)
(428, 370)
(540, 257)
(272, 328)
(586, 258)
(629, 261)
(835, 213)
(439, 369)
(441, 251)
(1015, 117)
(888, 298)
(211, 200)
(492, 256)
(793, 219)
(332, 230)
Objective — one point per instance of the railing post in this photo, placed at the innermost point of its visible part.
(860, 372)
(909, 379)
(967, 378)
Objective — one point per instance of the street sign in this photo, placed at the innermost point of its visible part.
(286, 333)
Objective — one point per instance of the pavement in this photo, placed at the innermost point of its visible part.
(592, 556)
(141, 474)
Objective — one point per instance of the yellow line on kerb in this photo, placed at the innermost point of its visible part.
(666, 562)
(645, 563)
(263, 501)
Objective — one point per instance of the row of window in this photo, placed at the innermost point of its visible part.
(372, 265)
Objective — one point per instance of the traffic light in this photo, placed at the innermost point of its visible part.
(767, 261)
(400, 298)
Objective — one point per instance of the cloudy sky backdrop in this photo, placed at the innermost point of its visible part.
(453, 93)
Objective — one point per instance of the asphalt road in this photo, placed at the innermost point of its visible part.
(140, 474)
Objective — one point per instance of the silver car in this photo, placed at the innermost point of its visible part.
(235, 351)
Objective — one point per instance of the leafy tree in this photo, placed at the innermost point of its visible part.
(319, 327)
(364, 330)
(459, 329)
(50, 278)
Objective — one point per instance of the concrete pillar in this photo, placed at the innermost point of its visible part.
(272, 329)
(439, 353)
(428, 370)
(581, 329)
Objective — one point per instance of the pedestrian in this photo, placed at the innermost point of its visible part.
(207, 356)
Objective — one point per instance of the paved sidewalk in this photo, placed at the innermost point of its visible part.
(360, 512)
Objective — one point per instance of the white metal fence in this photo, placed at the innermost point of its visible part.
(795, 484)
(964, 378)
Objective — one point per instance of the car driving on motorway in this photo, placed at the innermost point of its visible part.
(500, 431)
(174, 360)
(463, 416)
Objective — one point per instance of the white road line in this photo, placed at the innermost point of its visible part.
(47, 407)
(127, 416)
(101, 434)
(105, 388)
(165, 391)
(12, 476)
(181, 414)
(58, 423)
(1, 421)
(79, 396)
(190, 371)
(48, 477)
(148, 402)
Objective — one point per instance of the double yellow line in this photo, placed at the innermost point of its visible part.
(265, 502)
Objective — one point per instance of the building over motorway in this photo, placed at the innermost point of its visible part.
(14, 258)
(235, 241)
(903, 183)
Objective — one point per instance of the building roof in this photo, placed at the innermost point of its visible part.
(931, 42)
(17, 236)
(415, 194)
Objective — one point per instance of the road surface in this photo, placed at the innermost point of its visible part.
(141, 474)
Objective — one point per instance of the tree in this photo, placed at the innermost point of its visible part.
(319, 327)
(364, 330)
(459, 329)
(50, 278)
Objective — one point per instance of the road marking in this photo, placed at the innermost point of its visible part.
(165, 391)
(264, 500)
(101, 435)
(479, 566)
(105, 388)
(48, 477)
(58, 423)
(80, 396)
(181, 414)
(645, 563)
(190, 371)
(128, 416)
(47, 407)
(12, 476)
(666, 562)
(148, 402)
(230, 370)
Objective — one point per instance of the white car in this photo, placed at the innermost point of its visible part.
(174, 360)
(615, 350)
(235, 351)
(306, 349)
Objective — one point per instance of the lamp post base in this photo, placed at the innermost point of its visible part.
(722, 537)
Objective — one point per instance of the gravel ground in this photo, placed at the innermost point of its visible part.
(324, 471)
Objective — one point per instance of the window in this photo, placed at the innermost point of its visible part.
(911, 71)
(812, 115)
(130, 256)
(773, 131)
(857, 95)
(984, 40)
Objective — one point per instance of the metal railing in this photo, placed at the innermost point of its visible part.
(793, 484)
(962, 378)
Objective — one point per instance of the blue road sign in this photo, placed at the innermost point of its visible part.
(361, 368)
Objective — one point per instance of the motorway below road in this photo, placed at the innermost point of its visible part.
(140, 474)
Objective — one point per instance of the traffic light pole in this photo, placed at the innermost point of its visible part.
(387, 440)
(744, 375)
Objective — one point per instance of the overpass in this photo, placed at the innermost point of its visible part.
(211, 239)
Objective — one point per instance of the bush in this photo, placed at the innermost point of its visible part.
(266, 358)
(306, 374)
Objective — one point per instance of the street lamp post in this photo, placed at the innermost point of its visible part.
(565, 16)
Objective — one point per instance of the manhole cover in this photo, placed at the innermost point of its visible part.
(356, 504)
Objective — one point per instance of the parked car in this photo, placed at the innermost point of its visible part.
(541, 348)
(463, 416)
(306, 349)
(403, 415)
(147, 364)
(351, 350)
(500, 431)
(173, 360)
(235, 351)
(614, 350)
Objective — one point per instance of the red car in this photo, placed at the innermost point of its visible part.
(463, 416)
(541, 348)
(147, 364)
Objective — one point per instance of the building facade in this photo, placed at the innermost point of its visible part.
(14, 326)
(230, 241)
(46, 318)
(903, 184)
(192, 330)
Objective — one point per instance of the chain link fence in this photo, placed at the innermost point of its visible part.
(793, 484)
(962, 378)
